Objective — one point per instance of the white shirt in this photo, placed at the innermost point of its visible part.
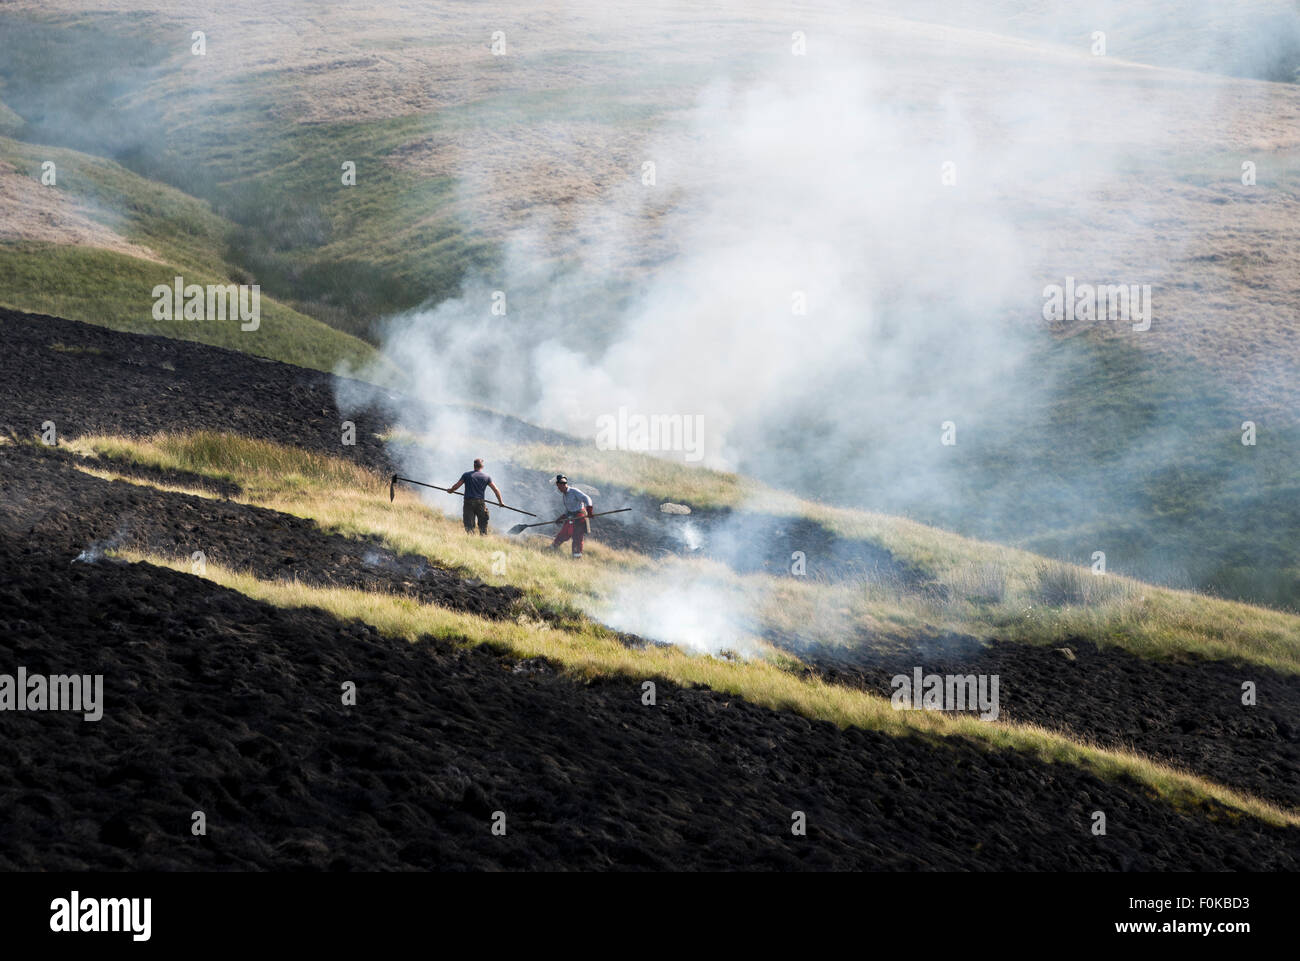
(575, 501)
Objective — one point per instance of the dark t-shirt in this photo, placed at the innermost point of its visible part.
(476, 483)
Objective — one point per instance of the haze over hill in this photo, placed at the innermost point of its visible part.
(779, 177)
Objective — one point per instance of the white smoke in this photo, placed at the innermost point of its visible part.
(838, 256)
(94, 552)
(813, 187)
(684, 607)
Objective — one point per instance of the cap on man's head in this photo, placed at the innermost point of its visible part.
(561, 479)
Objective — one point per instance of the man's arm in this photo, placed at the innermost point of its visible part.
(495, 490)
(456, 486)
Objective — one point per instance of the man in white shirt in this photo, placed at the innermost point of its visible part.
(577, 511)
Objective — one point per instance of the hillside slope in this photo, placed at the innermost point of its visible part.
(94, 245)
(546, 738)
(522, 172)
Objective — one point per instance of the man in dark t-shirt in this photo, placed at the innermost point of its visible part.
(476, 484)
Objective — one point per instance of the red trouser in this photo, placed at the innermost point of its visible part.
(577, 530)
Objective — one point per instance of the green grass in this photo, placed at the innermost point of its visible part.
(180, 229)
(115, 290)
(347, 254)
(265, 195)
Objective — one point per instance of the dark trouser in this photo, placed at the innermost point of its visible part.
(475, 511)
(575, 529)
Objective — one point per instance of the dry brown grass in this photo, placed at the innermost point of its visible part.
(32, 211)
(994, 591)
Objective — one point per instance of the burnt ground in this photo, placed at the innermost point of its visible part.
(1189, 714)
(603, 781)
(52, 503)
(217, 703)
(1186, 713)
